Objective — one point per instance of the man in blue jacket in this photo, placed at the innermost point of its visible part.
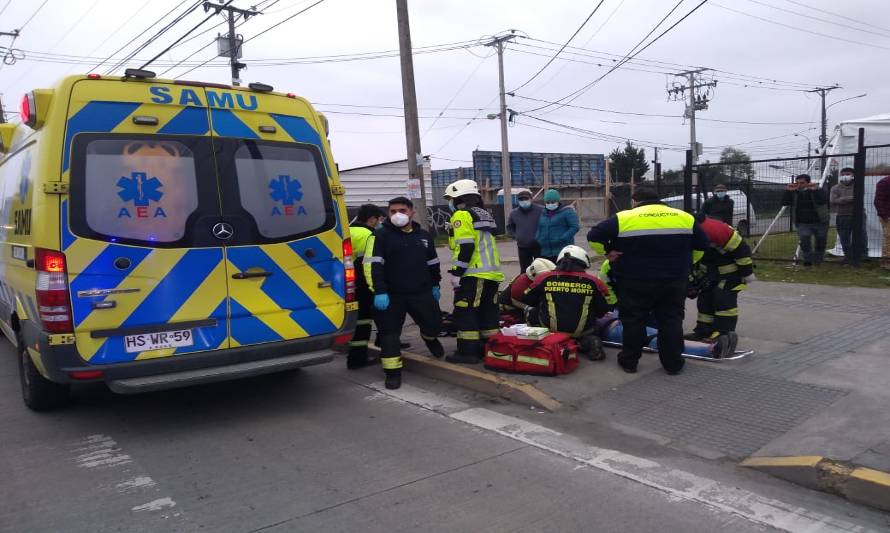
(557, 226)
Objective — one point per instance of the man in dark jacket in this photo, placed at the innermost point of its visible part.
(842, 202)
(522, 226)
(402, 268)
(882, 206)
(719, 205)
(367, 219)
(651, 249)
(809, 211)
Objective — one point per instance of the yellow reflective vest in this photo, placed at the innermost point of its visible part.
(475, 226)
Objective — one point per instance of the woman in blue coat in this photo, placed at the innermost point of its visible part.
(557, 227)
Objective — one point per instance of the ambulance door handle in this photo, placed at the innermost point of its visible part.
(251, 274)
(324, 284)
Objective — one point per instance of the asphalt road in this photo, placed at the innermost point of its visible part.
(305, 451)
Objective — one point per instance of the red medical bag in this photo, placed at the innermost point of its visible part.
(557, 353)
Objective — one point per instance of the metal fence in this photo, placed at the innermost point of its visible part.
(763, 210)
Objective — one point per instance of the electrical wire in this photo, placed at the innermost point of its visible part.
(837, 15)
(186, 34)
(4, 9)
(22, 27)
(456, 94)
(826, 35)
(799, 14)
(563, 47)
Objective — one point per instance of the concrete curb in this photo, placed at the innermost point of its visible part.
(855, 483)
(476, 380)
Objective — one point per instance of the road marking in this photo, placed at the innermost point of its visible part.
(138, 482)
(99, 451)
(678, 485)
(156, 505)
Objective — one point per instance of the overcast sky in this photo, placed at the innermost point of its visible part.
(712, 37)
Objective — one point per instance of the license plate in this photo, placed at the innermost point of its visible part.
(158, 341)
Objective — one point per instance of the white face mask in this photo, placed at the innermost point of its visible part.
(399, 220)
(846, 178)
(551, 206)
(720, 194)
(525, 204)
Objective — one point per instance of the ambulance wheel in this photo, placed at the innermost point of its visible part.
(38, 393)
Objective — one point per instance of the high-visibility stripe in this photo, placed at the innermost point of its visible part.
(744, 261)
(597, 247)
(484, 224)
(726, 269)
(485, 333)
(655, 231)
(432, 262)
(551, 310)
(482, 269)
(478, 299)
(705, 318)
(460, 264)
(427, 337)
(728, 312)
(391, 363)
(533, 360)
(468, 335)
(465, 241)
(733, 242)
(357, 344)
(501, 356)
(516, 303)
(374, 259)
(364, 322)
(697, 255)
(585, 310)
(461, 303)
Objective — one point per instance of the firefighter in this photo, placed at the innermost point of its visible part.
(651, 249)
(402, 268)
(367, 219)
(475, 271)
(569, 300)
(722, 274)
(511, 297)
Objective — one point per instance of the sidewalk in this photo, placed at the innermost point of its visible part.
(817, 385)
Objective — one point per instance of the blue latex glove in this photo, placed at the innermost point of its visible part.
(381, 301)
(437, 292)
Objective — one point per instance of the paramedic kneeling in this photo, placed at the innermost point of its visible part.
(569, 300)
(651, 250)
(510, 298)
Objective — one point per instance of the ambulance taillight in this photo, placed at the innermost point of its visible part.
(53, 298)
(349, 267)
(27, 112)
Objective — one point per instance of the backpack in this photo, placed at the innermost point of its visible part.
(557, 353)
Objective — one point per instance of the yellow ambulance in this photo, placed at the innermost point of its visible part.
(156, 234)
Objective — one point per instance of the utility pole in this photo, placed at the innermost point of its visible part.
(699, 96)
(823, 138)
(506, 176)
(14, 34)
(409, 99)
(656, 170)
(230, 45)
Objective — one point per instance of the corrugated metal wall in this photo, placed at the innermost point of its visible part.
(377, 184)
(527, 168)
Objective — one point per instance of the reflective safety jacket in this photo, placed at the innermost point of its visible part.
(569, 302)
(655, 241)
(399, 261)
(475, 252)
(359, 234)
(728, 259)
(605, 275)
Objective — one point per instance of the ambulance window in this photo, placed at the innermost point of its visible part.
(141, 190)
(281, 187)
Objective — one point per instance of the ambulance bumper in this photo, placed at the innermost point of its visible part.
(60, 361)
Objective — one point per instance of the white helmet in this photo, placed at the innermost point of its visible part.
(460, 188)
(539, 266)
(575, 252)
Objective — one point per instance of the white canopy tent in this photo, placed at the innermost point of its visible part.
(845, 140)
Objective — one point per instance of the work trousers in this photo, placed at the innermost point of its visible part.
(358, 346)
(718, 311)
(845, 235)
(476, 315)
(638, 301)
(527, 254)
(885, 249)
(807, 234)
(422, 308)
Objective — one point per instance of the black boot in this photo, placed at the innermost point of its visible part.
(435, 348)
(469, 352)
(393, 379)
(592, 347)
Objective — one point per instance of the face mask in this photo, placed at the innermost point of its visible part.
(525, 204)
(399, 220)
(379, 224)
(720, 194)
(551, 207)
(451, 206)
(846, 178)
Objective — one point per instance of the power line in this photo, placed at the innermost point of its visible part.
(22, 27)
(770, 21)
(563, 47)
(799, 14)
(287, 19)
(456, 94)
(177, 41)
(838, 15)
(573, 96)
(4, 9)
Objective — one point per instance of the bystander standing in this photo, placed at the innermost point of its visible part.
(809, 211)
(522, 226)
(882, 205)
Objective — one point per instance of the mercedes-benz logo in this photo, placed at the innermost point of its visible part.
(223, 231)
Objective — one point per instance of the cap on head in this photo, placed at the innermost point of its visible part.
(538, 266)
(552, 195)
(575, 252)
(524, 195)
(460, 188)
(720, 188)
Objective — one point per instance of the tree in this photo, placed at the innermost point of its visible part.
(631, 159)
(736, 164)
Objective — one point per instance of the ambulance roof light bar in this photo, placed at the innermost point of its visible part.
(261, 87)
(138, 73)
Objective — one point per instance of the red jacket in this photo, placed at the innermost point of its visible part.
(882, 197)
(729, 257)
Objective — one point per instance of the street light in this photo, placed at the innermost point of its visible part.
(809, 142)
(845, 99)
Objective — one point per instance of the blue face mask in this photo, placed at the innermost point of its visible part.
(525, 204)
(720, 194)
(551, 206)
(451, 206)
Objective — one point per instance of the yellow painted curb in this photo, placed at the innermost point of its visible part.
(861, 485)
(484, 382)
